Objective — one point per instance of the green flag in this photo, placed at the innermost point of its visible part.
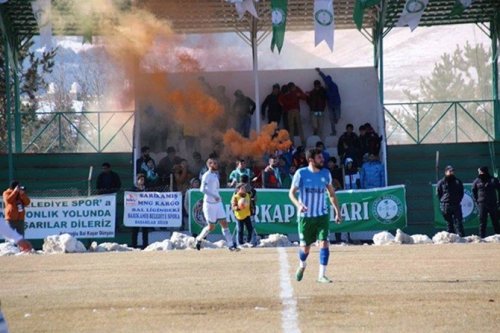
(460, 6)
(279, 9)
(359, 10)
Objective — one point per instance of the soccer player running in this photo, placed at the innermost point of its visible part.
(313, 213)
(213, 209)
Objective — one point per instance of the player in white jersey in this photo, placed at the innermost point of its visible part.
(313, 214)
(213, 209)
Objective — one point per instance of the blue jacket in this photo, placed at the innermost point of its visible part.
(332, 90)
(372, 174)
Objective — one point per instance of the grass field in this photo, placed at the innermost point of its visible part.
(419, 288)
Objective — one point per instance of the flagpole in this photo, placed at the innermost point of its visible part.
(253, 37)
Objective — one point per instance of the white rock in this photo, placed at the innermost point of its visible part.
(275, 240)
(383, 238)
(166, 245)
(8, 249)
(472, 239)
(402, 238)
(109, 247)
(445, 237)
(421, 239)
(492, 239)
(64, 243)
(181, 241)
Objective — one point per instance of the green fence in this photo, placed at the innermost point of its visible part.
(439, 122)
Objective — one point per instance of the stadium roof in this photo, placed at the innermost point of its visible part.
(201, 16)
(18, 17)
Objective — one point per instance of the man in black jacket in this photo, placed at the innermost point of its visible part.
(108, 181)
(272, 106)
(450, 192)
(484, 189)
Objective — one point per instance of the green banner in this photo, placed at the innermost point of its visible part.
(469, 210)
(361, 210)
(279, 9)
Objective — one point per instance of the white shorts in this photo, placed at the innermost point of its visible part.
(213, 212)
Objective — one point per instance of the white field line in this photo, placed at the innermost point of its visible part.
(289, 317)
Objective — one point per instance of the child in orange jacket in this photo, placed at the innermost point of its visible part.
(15, 200)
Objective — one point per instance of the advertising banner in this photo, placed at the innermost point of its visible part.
(152, 209)
(81, 217)
(361, 210)
(469, 210)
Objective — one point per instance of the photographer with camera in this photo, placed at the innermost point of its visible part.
(15, 200)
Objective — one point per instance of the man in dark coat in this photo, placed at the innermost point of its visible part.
(486, 192)
(450, 192)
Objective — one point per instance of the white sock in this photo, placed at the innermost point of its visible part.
(322, 271)
(302, 264)
(203, 233)
(229, 238)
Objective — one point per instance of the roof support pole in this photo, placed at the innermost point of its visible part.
(494, 67)
(17, 113)
(8, 103)
(255, 59)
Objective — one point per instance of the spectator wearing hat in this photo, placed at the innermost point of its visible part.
(450, 192)
(352, 179)
(272, 107)
(15, 201)
(486, 192)
(243, 109)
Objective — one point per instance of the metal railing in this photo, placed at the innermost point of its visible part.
(87, 131)
(439, 122)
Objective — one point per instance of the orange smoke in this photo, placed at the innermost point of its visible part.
(269, 141)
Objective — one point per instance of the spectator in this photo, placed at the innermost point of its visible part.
(15, 201)
(363, 144)
(226, 119)
(152, 177)
(182, 176)
(141, 163)
(140, 187)
(486, 191)
(349, 145)
(291, 108)
(241, 169)
(372, 173)
(450, 192)
(253, 205)
(242, 212)
(321, 146)
(317, 105)
(271, 177)
(373, 140)
(243, 109)
(351, 175)
(299, 158)
(336, 172)
(272, 106)
(284, 90)
(108, 181)
(334, 101)
(198, 163)
(166, 165)
(287, 178)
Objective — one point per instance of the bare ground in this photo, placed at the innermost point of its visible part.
(438, 288)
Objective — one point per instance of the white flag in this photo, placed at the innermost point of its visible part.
(323, 22)
(243, 6)
(41, 10)
(412, 13)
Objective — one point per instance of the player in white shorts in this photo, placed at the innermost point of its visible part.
(213, 208)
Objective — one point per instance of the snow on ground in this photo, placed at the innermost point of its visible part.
(66, 243)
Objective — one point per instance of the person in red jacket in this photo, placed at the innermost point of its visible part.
(290, 102)
(15, 200)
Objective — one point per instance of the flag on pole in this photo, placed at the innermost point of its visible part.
(323, 22)
(412, 13)
(359, 10)
(41, 10)
(243, 6)
(279, 9)
(460, 6)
